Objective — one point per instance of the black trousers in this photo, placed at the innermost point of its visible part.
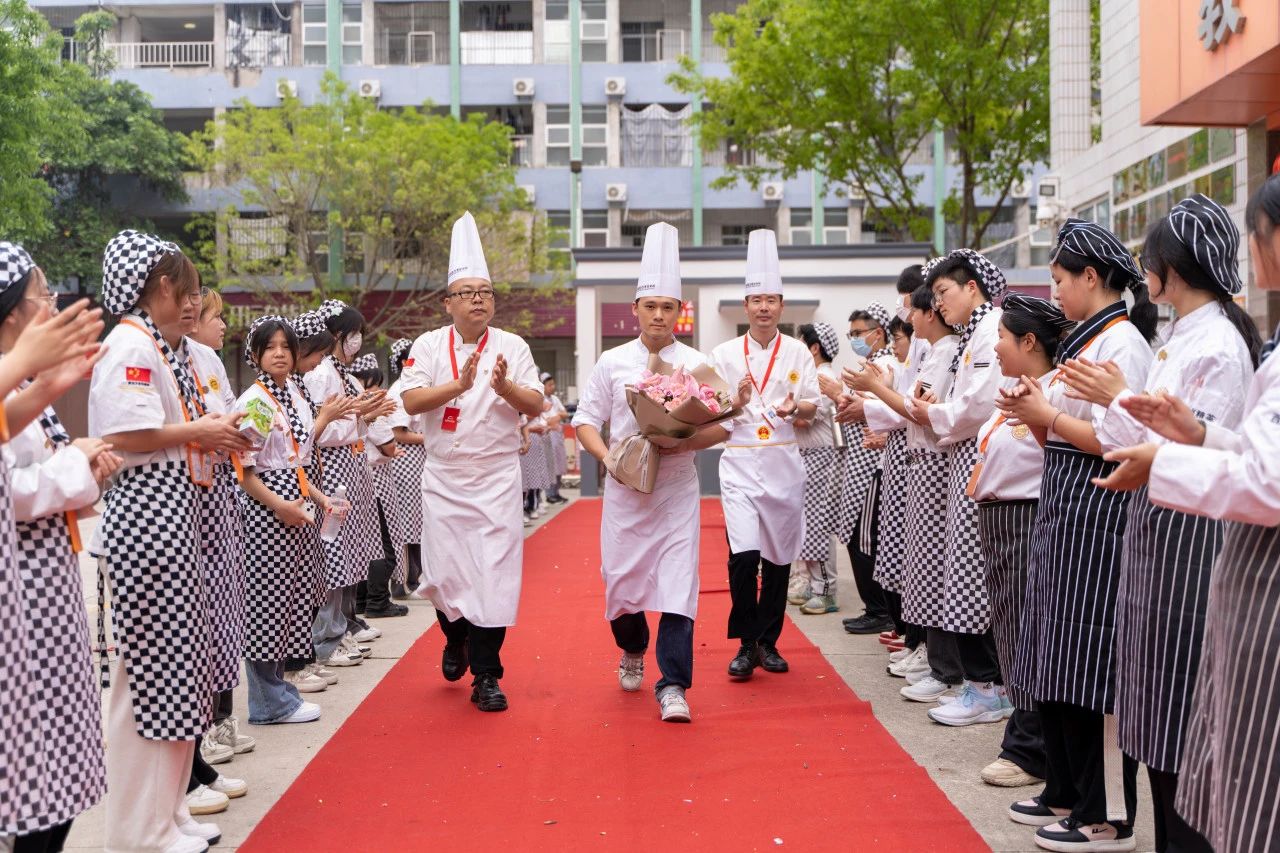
(944, 656)
(223, 706)
(758, 610)
(978, 657)
(864, 568)
(1074, 774)
(46, 841)
(1173, 834)
(483, 644)
(1023, 742)
(201, 772)
(675, 645)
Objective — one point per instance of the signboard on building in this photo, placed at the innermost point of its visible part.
(1218, 20)
(684, 323)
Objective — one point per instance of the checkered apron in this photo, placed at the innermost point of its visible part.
(892, 520)
(22, 758)
(966, 608)
(159, 613)
(222, 560)
(347, 558)
(384, 486)
(821, 502)
(925, 534)
(534, 473)
(407, 470)
(283, 575)
(860, 465)
(559, 456)
(68, 728)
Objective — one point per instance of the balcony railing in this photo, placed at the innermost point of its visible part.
(258, 49)
(521, 150)
(163, 54)
(407, 48)
(672, 44)
(509, 47)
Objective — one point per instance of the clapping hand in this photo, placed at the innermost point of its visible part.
(1133, 471)
(1097, 382)
(1166, 416)
(499, 381)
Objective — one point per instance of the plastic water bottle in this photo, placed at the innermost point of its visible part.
(331, 527)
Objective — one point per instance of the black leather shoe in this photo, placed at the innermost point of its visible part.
(391, 609)
(453, 663)
(487, 695)
(771, 661)
(868, 624)
(745, 662)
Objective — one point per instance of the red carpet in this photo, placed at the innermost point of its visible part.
(793, 760)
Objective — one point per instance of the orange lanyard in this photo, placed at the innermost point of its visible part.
(986, 439)
(1057, 377)
(235, 457)
(4, 424)
(186, 416)
(297, 451)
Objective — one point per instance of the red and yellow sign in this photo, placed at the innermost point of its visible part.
(137, 375)
(684, 323)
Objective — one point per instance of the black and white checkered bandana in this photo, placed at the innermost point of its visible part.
(976, 317)
(993, 280)
(828, 340)
(368, 361)
(1090, 240)
(929, 265)
(285, 399)
(253, 327)
(15, 265)
(880, 315)
(308, 325)
(331, 308)
(179, 364)
(400, 350)
(128, 260)
(1207, 230)
(344, 373)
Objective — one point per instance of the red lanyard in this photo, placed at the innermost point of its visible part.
(453, 359)
(746, 358)
(1057, 376)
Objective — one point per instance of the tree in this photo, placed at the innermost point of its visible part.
(28, 62)
(393, 180)
(854, 87)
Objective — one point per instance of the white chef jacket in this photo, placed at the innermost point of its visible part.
(133, 388)
(401, 417)
(648, 543)
(972, 396)
(934, 375)
(1013, 462)
(820, 432)
(323, 382)
(277, 451)
(472, 512)
(43, 481)
(1235, 476)
(1205, 363)
(762, 476)
(211, 376)
(877, 413)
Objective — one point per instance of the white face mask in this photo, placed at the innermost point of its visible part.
(351, 346)
(904, 313)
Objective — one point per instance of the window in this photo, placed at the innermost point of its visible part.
(735, 235)
(315, 34)
(835, 226)
(595, 135)
(801, 226)
(640, 41)
(595, 229)
(593, 28)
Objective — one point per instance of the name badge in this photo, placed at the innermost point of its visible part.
(449, 423)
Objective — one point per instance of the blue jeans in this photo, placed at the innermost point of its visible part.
(271, 698)
(675, 645)
(330, 625)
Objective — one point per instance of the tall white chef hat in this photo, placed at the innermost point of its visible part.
(762, 263)
(660, 263)
(466, 256)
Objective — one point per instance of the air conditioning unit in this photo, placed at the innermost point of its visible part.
(615, 192)
(771, 191)
(1049, 201)
(286, 89)
(530, 192)
(594, 30)
(522, 87)
(615, 86)
(371, 89)
(1021, 189)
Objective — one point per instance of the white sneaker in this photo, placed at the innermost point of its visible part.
(353, 647)
(233, 788)
(204, 800)
(227, 732)
(631, 672)
(894, 657)
(927, 689)
(914, 663)
(915, 676)
(675, 708)
(798, 589)
(1005, 704)
(307, 712)
(209, 832)
(342, 657)
(327, 675)
(305, 682)
(367, 635)
(188, 844)
(212, 751)
(977, 703)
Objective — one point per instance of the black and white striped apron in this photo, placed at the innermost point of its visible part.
(284, 578)
(821, 502)
(159, 615)
(924, 563)
(891, 521)
(1005, 527)
(966, 609)
(1067, 645)
(347, 558)
(1230, 769)
(222, 561)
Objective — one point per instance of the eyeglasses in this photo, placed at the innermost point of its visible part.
(858, 333)
(469, 295)
(48, 299)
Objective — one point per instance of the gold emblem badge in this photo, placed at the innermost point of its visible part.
(793, 377)
(763, 432)
(1021, 431)
(968, 357)
(213, 383)
(1162, 355)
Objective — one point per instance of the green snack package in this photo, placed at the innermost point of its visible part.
(256, 425)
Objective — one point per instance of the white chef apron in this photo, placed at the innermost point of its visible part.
(649, 543)
(473, 540)
(762, 491)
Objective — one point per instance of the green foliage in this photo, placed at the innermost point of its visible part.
(857, 85)
(28, 62)
(393, 180)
